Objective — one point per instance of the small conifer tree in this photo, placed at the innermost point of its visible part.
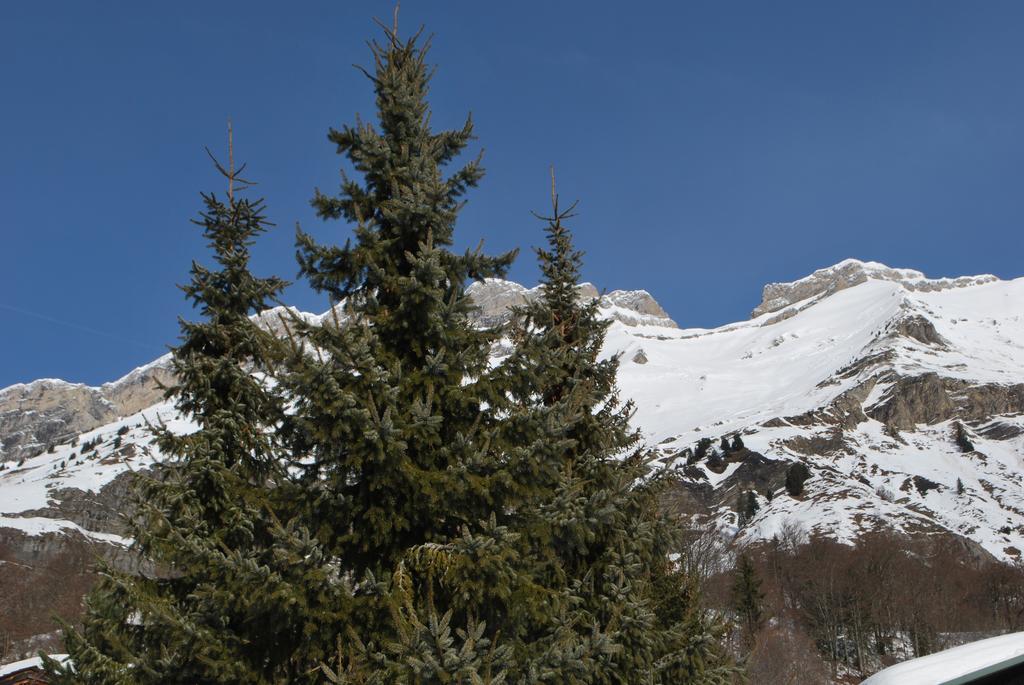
(715, 461)
(961, 437)
(748, 600)
(746, 507)
(796, 475)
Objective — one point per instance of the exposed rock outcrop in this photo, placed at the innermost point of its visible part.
(694, 495)
(494, 298)
(920, 329)
(100, 512)
(35, 415)
(625, 302)
(914, 400)
(848, 273)
(930, 399)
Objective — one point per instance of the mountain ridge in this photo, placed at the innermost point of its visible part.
(863, 372)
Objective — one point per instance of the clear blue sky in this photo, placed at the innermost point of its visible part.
(714, 146)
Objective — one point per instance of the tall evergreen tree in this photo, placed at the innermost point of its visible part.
(590, 521)
(395, 413)
(748, 600)
(215, 600)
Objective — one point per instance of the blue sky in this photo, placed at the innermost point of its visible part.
(713, 146)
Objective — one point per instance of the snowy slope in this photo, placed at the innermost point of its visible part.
(860, 371)
(740, 377)
(33, 489)
(732, 377)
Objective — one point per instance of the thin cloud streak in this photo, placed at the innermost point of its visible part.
(79, 327)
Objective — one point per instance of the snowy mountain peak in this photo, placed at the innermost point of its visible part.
(850, 272)
(494, 297)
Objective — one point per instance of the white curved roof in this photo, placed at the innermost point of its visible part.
(956, 665)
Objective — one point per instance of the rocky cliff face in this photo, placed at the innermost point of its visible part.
(495, 297)
(848, 273)
(38, 415)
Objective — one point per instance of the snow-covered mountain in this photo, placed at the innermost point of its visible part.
(891, 387)
(866, 374)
